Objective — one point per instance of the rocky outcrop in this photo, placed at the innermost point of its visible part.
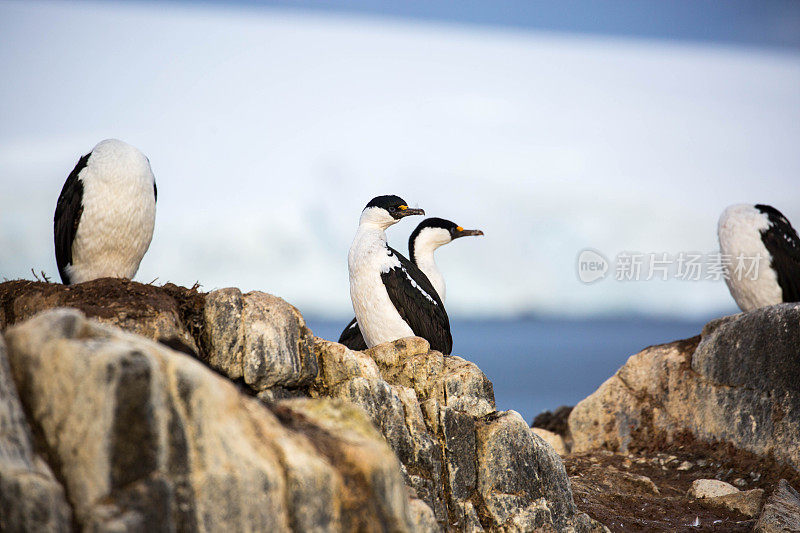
(30, 497)
(476, 468)
(555, 440)
(718, 492)
(260, 338)
(146, 438)
(289, 430)
(781, 512)
(737, 384)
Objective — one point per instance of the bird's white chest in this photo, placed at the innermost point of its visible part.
(742, 238)
(376, 315)
(115, 228)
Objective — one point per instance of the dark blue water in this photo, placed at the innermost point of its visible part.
(537, 364)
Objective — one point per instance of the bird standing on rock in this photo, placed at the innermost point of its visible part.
(429, 235)
(391, 297)
(105, 214)
(762, 234)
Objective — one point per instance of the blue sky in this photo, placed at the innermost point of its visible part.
(269, 129)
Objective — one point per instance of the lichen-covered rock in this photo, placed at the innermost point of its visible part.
(737, 383)
(30, 497)
(158, 439)
(257, 337)
(350, 440)
(476, 469)
(781, 512)
(554, 440)
(278, 347)
(224, 331)
(338, 364)
(520, 478)
(149, 439)
(354, 376)
(446, 379)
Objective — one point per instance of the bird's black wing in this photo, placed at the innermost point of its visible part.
(783, 244)
(352, 337)
(418, 303)
(155, 189)
(69, 209)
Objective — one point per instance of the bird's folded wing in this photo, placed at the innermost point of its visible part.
(418, 303)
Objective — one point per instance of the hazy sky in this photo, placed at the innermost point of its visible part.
(768, 23)
(269, 129)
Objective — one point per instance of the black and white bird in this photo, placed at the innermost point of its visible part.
(429, 235)
(391, 297)
(105, 214)
(426, 239)
(766, 241)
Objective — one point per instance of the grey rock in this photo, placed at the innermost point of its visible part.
(422, 518)
(458, 432)
(403, 428)
(737, 383)
(554, 440)
(781, 512)
(726, 495)
(30, 497)
(460, 456)
(278, 347)
(360, 451)
(158, 440)
(520, 478)
(710, 488)
(224, 331)
(747, 502)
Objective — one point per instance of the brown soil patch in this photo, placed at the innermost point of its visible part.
(608, 488)
(103, 298)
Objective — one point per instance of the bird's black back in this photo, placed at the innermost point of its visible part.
(352, 337)
(69, 209)
(783, 244)
(427, 319)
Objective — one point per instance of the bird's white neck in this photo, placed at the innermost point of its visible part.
(370, 233)
(368, 243)
(373, 217)
(424, 259)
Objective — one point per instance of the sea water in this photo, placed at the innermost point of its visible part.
(538, 364)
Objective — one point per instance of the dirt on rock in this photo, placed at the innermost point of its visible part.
(108, 299)
(101, 298)
(646, 489)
